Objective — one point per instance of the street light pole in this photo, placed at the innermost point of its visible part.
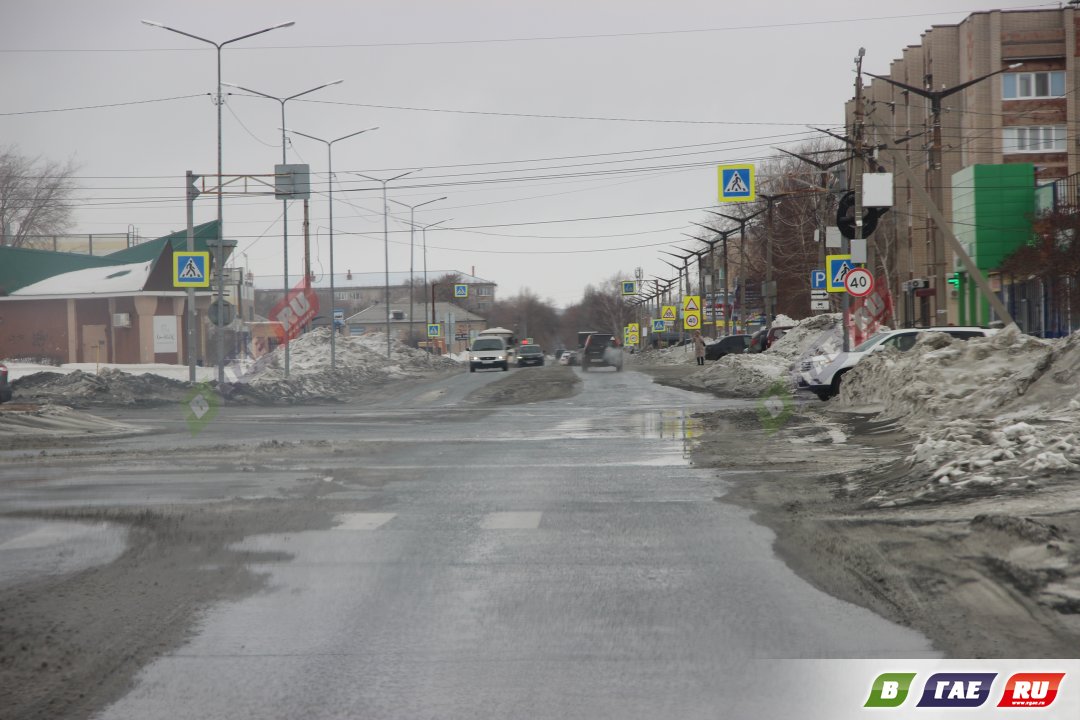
(285, 201)
(412, 233)
(742, 222)
(941, 316)
(330, 173)
(423, 234)
(386, 243)
(219, 260)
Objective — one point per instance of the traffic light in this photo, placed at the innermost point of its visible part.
(954, 279)
(845, 217)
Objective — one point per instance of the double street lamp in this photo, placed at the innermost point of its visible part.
(386, 244)
(412, 233)
(935, 97)
(285, 201)
(220, 257)
(423, 234)
(330, 173)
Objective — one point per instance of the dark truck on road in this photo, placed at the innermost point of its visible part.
(600, 350)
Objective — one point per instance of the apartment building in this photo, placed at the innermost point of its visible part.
(1025, 112)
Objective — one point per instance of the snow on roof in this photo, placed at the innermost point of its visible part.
(93, 281)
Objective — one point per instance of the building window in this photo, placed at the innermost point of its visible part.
(1034, 138)
(1025, 85)
(485, 290)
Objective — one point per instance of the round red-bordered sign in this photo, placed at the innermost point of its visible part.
(859, 282)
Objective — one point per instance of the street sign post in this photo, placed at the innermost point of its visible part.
(859, 282)
(691, 312)
(836, 267)
(191, 269)
(737, 183)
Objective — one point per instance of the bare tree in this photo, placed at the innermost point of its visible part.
(35, 198)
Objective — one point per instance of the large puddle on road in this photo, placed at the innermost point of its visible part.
(31, 549)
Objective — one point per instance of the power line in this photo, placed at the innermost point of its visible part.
(543, 116)
(99, 107)
(549, 38)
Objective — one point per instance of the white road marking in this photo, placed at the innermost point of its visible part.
(363, 521)
(511, 521)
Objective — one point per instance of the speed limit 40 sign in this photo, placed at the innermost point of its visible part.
(859, 282)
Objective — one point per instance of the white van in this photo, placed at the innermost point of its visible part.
(490, 351)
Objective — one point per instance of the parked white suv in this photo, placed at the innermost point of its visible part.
(822, 374)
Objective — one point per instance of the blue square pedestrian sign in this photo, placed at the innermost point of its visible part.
(836, 267)
(629, 287)
(737, 183)
(434, 330)
(658, 325)
(191, 269)
(461, 291)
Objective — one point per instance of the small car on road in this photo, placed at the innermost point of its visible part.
(530, 355)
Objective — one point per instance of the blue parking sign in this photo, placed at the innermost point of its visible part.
(817, 279)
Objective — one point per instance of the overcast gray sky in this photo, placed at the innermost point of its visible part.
(732, 80)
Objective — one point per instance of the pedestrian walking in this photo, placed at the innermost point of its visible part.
(699, 347)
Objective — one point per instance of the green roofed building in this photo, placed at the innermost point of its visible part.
(21, 267)
(993, 207)
(120, 307)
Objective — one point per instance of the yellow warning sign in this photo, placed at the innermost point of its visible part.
(691, 303)
(667, 313)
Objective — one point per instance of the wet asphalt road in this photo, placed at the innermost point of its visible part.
(554, 560)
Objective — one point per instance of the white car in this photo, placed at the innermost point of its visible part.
(822, 374)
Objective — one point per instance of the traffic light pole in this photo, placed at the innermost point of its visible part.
(192, 193)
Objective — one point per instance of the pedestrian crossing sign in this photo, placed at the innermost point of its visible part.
(737, 183)
(629, 287)
(434, 330)
(836, 267)
(461, 290)
(191, 269)
(658, 325)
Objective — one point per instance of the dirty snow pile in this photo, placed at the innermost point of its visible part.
(361, 362)
(996, 414)
(81, 389)
(753, 374)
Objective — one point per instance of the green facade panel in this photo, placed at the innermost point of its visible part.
(993, 206)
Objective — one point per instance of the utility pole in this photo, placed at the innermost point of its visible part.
(823, 180)
(969, 265)
(935, 176)
(857, 186)
(742, 222)
(192, 193)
